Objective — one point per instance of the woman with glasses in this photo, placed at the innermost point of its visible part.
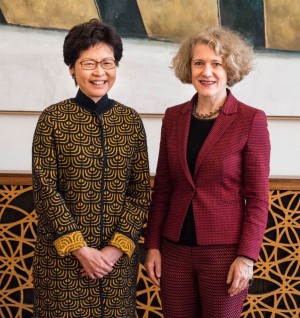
(210, 201)
(91, 188)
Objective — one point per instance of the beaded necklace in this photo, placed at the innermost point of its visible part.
(205, 116)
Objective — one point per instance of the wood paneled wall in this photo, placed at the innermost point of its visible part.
(275, 292)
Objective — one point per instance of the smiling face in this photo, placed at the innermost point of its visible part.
(95, 83)
(209, 76)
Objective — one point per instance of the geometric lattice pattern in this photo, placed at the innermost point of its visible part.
(148, 299)
(17, 237)
(277, 273)
(275, 293)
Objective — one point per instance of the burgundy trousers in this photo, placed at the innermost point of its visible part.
(193, 282)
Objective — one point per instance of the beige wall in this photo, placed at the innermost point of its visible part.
(34, 76)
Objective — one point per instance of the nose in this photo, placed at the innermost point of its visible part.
(207, 70)
(99, 70)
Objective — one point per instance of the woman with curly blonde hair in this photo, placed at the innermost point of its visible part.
(210, 201)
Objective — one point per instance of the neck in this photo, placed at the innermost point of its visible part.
(207, 108)
(212, 114)
(206, 105)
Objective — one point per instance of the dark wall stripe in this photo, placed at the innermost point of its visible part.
(246, 17)
(124, 16)
(2, 19)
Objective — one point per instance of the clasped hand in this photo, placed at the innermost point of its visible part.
(97, 263)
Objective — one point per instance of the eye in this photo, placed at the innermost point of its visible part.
(198, 63)
(107, 63)
(217, 64)
(88, 63)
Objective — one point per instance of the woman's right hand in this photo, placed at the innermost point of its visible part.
(153, 265)
(95, 263)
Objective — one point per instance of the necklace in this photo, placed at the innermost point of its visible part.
(205, 116)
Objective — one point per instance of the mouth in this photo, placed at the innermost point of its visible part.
(207, 82)
(97, 83)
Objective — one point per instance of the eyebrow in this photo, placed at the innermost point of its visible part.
(220, 60)
(91, 59)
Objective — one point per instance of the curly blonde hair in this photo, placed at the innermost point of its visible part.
(236, 52)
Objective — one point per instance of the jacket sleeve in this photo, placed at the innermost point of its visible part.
(256, 167)
(161, 192)
(53, 214)
(137, 198)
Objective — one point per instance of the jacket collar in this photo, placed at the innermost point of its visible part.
(102, 106)
(229, 107)
(222, 122)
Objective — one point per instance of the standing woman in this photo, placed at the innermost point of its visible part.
(210, 201)
(91, 188)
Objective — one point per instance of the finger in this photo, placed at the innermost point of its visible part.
(100, 275)
(152, 275)
(229, 277)
(88, 274)
(106, 260)
(92, 276)
(97, 271)
(234, 287)
(155, 280)
(105, 265)
(157, 270)
(243, 284)
(95, 275)
(157, 277)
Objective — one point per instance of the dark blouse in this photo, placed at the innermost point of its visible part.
(199, 130)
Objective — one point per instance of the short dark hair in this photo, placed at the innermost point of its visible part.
(85, 35)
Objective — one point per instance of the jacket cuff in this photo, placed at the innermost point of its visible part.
(69, 243)
(123, 243)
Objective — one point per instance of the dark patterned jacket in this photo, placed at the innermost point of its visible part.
(90, 175)
(91, 188)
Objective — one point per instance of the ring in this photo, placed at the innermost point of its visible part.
(251, 281)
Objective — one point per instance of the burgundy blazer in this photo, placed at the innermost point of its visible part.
(229, 190)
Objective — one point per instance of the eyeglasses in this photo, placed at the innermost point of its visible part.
(106, 64)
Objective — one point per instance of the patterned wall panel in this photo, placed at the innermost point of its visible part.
(124, 16)
(269, 24)
(282, 24)
(246, 17)
(17, 237)
(55, 14)
(175, 19)
(275, 293)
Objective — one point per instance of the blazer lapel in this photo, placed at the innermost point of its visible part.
(225, 118)
(183, 122)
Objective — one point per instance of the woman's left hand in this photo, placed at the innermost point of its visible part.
(239, 275)
(111, 253)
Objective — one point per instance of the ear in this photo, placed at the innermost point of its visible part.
(71, 70)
